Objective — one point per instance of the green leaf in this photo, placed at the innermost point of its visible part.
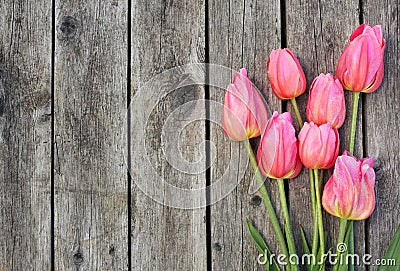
(262, 247)
(316, 267)
(393, 252)
(305, 246)
(291, 248)
(304, 240)
(319, 266)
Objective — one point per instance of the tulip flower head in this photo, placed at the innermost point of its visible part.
(326, 102)
(318, 145)
(244, 115)
(285, 74)
(360, 67)
(277, 153)
(349, 193)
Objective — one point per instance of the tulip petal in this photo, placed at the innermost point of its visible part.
(366, 198)
(359, 30)
(379, 34)
(234, 115)
(329, 201)
(345, 174)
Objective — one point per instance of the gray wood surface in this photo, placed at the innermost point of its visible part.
(167, 34)
(94, 44)
(25, 135)
(251, 29)
(382, 133)
(90, 179)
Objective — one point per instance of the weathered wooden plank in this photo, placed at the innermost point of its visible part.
(25, 135)
(318, 43)
(167, 34)
(241, 34)
(382, 131)
(90, 80)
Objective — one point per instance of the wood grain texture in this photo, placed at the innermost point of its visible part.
(90, 81)
(382, 134)
(25, 135)
(325, 30)
(167, 34)
(241, 34)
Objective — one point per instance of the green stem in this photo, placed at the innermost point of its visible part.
(285, 210)
(353, 126)
(321, 177)
(319, 212)
(297, 112)
(267, 200)
(341, 236)
(314, 213)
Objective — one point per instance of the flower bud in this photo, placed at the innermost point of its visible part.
(326, 102)
(244, 115)
(285, 74)
(277, 153)
(360, 67)
(349, 193)
(318, 145)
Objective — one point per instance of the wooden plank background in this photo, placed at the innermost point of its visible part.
(25, 138)
(90, 136)
(69, 193)
(251, 30)
(167, 34)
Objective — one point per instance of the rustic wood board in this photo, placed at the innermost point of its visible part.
(241, 34)
(90, 179)
(382, 134)
(167, 34)
(25, 135)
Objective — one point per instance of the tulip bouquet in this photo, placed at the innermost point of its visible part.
(349, 193)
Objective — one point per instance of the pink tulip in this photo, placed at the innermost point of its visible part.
(360, 67)
(349, 193)
(285, 74)
(277, 153)
(318, 145)
(244, 115)
(326, 101)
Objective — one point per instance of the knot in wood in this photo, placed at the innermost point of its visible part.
(111, 251)
(379, 172)
(68, 27)
(256, 201)
(2, 102)
(217, 247)
(78, 258)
